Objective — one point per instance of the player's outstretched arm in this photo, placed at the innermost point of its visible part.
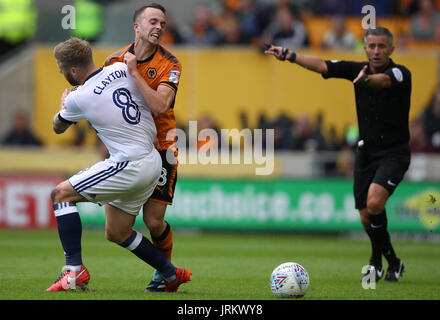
(157, 100)
(309, 62)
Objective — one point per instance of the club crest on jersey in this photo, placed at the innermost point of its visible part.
(151, 73)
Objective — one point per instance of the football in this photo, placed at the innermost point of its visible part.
(289, 280)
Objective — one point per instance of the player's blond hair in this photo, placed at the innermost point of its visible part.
(74, 52)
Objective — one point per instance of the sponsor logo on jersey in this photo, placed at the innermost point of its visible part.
(174, 76)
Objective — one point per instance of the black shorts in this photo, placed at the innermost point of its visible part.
(385, 167)
(164, 191)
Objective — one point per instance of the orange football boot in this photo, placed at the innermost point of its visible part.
(182, 276)
(69, 280)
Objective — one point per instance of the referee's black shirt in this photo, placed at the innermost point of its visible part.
(382, 113)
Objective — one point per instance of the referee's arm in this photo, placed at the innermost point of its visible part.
(309, 62)
(378, 80)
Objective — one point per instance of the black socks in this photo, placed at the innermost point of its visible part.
(380, 240)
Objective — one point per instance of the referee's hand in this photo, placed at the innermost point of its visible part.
(275, 51)
(361, 76)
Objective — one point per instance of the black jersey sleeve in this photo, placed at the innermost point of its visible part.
(399, 75)
(342, 69)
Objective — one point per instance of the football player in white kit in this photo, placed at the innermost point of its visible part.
(108, 98)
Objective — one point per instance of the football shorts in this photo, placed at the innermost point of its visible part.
(386, 168)
(126, 185)
(164, 190)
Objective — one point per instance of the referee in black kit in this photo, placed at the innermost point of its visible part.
(382, 91)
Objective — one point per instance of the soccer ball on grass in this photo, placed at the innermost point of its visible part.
(289, 280)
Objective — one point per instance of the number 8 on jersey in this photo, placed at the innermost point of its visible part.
(122, 99)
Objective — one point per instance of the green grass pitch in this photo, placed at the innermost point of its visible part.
(225, 266)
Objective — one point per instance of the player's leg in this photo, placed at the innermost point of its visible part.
(375, 263)
(377, 197)
(160, 230)
(118, 224)
(375, 258)
(86, 185)
(154, 209)
(119, 230)
(100, 183)
(376, 200)
(64, 199)
(154, 216)
(364, 172)
(387, 178)
(161, 236)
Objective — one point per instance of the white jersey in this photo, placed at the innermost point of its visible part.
(113, 105)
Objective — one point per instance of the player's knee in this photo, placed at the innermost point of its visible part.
(112, 236)
(154, 219)
(155, 226)
(152, 222)
(375, 205)
(57, 194)
(117, 236)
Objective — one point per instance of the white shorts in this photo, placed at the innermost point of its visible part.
(126, 185)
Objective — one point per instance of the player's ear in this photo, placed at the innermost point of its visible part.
(135, 26)
(74, 70)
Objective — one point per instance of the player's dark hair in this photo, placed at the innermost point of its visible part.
(380, 31)
(154, 5)
(74, 52)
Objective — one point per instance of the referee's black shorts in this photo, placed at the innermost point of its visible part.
(384, 167)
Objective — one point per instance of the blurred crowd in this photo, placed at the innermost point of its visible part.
(283, 22)
(307, 133)
(245, 22)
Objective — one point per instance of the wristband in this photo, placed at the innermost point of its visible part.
(292, 58)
